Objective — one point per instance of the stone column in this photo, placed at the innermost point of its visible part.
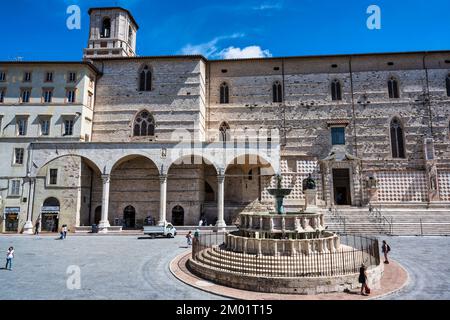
(220, 201)
(104, 222)
(28, 227)
(162, 200)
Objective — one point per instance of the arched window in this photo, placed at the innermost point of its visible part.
(224, 132)
(397, 143)
(250, 175)
(224, 93)
(336, 93)
(393, 88)
(277, 92)
(130, 36)
(145, 79)
(106, 28)
(447, 82)
(144, 125)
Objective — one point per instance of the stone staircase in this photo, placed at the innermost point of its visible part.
(408, 220)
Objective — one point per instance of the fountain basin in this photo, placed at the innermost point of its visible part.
(295, 223)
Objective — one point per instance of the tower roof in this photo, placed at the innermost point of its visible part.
(116, 8)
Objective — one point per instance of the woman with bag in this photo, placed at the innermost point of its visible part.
(385, 249)
(365, 290)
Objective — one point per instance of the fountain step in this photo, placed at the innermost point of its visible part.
(274, 266)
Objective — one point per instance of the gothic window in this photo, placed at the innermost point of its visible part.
(106, 28)
(277, 92)
(130, 35)
(145, 79)
(393, 88)
(224, 93)
(224, 131)
(397, 141)
(144, 124)
(447, 82)
(336, 92)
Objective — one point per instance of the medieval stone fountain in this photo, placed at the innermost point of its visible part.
(286, 252)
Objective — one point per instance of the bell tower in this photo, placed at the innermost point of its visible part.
(112, 33)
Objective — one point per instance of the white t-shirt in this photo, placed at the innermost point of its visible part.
(10, 254)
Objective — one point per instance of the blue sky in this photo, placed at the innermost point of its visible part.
(36, 30)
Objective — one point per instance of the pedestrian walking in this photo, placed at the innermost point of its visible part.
(65, 230)
(189, 238)
(36, 230)
(9, 258)
(365, 290)
(385, 248)
(61, 233)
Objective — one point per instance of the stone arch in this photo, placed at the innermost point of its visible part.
(270, 168)
(193, 158)
(134, 182)
(122, 158)
(92, 163)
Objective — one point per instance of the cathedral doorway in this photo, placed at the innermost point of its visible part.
(98, 215)
(129, 217)
(178, 216)
(341, 186)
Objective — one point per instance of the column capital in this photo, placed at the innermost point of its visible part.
(163, 178)
(221, 178)
(106, 178)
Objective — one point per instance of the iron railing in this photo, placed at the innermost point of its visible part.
(382, 221)
(209, 250)
(338, 220)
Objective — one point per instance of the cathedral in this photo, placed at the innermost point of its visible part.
(121, 140)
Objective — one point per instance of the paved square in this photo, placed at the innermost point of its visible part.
(125, 267)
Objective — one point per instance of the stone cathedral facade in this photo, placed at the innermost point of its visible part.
(89, 142)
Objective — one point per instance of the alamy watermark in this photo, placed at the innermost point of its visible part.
(73, 281)
(73, 22)
(374, 20)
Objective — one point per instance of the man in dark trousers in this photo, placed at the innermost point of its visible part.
(36, 230)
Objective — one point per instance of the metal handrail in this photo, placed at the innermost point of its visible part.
(375, 212)
(338, 218)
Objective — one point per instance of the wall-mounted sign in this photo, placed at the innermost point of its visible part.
(50, 209)
(12, 210)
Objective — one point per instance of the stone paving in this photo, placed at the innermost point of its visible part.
(125, 267)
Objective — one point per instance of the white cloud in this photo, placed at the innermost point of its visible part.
(269, 6)
(247, 52)
(208, 48)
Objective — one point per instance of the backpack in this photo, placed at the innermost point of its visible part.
(388, 248)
